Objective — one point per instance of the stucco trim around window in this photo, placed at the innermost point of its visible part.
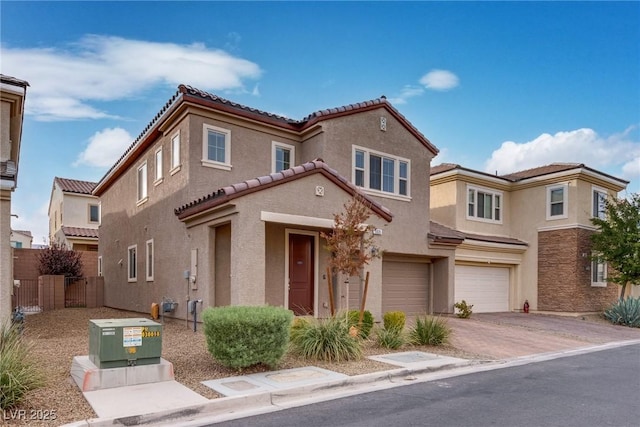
(490, 201)
(142, 188)
(132, 263)
(93, 211)
(277, 164)
(598, 273)
(381, 174)
(557, 204)
(598, 198)
(158, 172)
(149, 260)
(216, 147)
(176, 158)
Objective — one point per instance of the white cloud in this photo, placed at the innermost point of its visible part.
(105, 148)
(576, 146)
(439, 80)
(407, 92)
(64, 81)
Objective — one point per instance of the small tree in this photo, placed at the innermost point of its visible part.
(58, 259)
(618, 240)
(351, 242)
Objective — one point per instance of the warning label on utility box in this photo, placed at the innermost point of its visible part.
(132, 337)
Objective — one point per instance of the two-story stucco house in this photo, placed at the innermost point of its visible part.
(12, 96)
(225, 203)
(526, 235)
(21, 239)
(74, 214)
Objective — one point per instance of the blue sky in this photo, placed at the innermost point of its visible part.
(496, 86)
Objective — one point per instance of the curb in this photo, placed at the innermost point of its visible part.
(274, 400)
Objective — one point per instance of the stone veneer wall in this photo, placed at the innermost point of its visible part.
(564, 273)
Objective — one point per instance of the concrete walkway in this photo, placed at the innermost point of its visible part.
(503, 339)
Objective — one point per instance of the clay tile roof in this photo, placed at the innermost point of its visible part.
(542, 170)
(443, 167)
(225, 194)
(494, 239)
(80, 232)
(443, 234)
(13, 81)
(75, 186)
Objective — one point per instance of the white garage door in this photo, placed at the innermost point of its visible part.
(487, 288)
(405, 287)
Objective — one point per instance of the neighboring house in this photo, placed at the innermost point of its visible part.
(21, 239)
(184, 216)
(74, 214)
(526, 235)
(12, 96)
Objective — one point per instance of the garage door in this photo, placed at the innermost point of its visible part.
(487, 288)
(405, 287)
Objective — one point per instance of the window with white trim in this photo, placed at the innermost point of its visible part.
(557, 196)
(484, 204)
(142, 183)
(150, 266)
(175, 153)
(282, 156)
(94, 213)
(598, 273)
(100, 266)
(158, 166)
(599, 203)
(381, 173)
(132, 259)
(216, 147)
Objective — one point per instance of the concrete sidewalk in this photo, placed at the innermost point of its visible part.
(504, 339)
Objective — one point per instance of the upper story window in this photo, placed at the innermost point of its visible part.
(557, 201)
(132, 260)
(158, 166)
(175, 153)
(282, 156)
(216, 147)
(599, 203)
(484, 204)
(94, 213)
(142, 183)
(381, 173)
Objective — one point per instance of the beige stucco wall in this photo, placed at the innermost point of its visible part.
(19, 237)
(5, 136)
(6, 256)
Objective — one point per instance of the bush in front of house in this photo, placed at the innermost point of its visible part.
(430, 330)
(367, 322)
(394, 320)
(392, 338)
(325, 339)
(18, 372)
(624, 312)
(241, 336)
(464, 309)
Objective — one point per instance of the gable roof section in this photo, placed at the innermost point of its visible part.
(228, 193)
(23, 232)
(75, 186)
(190, 95)
(91, 233)
(528, 173)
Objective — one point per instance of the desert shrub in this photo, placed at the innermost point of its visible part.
(464, 309)
(392, 338)
(624, 312)
(18, 372)
(394, 320)
(325, 339)
(58, 259)
(367, 322)
(430, 330)
(240, 336)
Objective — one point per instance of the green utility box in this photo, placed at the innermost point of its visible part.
(118, 343)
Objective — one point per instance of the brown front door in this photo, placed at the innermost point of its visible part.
(301, 274)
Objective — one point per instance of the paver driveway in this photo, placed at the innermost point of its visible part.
(507, 335)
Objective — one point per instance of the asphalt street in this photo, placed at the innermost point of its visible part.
(596, 389)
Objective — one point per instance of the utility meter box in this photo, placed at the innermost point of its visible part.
(118, 343)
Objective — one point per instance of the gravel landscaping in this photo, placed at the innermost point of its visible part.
(60, 335)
